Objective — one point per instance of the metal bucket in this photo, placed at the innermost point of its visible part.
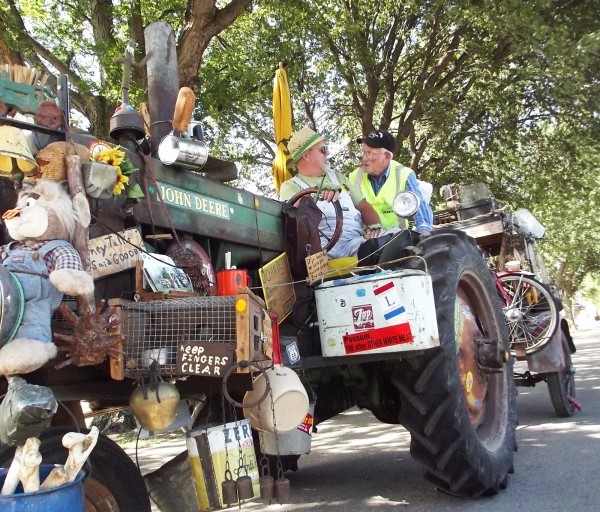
(69, 497)
(187, 153)
(296, 442)
(286, 404)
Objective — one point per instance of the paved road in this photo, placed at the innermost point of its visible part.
(358, 464)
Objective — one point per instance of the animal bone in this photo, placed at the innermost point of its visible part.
(58, 476)
(12, 476)
(29, 474)
(79, 446)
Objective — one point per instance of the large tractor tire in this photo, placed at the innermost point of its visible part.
(458, 400)
(114, 483)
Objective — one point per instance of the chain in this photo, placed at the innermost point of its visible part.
(227, 466)
(279, 464)
(265, 469)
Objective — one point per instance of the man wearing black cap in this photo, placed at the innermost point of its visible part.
(381, 179)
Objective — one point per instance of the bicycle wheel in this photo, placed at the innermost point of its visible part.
(531, 312)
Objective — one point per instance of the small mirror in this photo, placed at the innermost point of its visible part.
(405, 204)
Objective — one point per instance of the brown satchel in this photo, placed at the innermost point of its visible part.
(301, 234)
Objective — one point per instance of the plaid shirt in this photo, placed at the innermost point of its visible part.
(61, 257)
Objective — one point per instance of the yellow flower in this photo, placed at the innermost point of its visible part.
(113, 156)
(122, 180)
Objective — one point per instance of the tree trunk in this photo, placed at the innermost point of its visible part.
(203, 21)
(98, 111)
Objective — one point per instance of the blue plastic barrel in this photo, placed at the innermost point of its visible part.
(65, 498)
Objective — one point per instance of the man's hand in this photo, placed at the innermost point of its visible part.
(330, 195)
(372, 231)
(424, 233)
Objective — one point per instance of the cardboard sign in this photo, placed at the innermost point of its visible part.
(276, 280)
(317, 265)
(204, 358)
(377, 338)
(114, 252)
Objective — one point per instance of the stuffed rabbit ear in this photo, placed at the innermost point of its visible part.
(82, 209)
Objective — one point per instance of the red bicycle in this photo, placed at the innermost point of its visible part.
(530, 309)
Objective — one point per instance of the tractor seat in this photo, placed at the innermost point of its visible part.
(342, 266)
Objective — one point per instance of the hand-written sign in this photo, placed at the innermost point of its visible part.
(317, 266)
(204, 358)
(114, 252)
(277, 286)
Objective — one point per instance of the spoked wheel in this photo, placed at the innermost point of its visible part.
(561, 384)
(531, 312)
(115, 483)
(458, 401)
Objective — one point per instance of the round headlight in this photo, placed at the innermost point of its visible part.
(405, 204)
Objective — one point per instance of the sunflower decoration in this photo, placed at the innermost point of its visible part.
(115, 156)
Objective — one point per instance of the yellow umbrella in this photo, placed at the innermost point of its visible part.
(282, 120)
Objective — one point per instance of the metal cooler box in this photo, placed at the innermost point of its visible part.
(383, 312)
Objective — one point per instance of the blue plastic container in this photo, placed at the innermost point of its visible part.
(66, 498)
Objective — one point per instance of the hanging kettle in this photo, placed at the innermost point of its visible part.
(155, 404)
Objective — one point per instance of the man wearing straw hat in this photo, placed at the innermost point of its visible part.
(310, 157)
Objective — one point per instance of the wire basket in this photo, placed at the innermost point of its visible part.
(152, 330)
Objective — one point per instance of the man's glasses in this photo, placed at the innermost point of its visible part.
(323, 149)
(372, 154)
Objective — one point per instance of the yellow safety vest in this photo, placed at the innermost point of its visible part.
(382, 202)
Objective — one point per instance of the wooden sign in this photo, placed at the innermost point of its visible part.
(114, 252)
(277, 285)
(204, 358)
(317, 265)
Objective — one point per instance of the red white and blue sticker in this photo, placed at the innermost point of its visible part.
(389, 301)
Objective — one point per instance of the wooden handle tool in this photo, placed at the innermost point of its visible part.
(184, 106)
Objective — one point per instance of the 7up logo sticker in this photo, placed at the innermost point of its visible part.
(363, 317)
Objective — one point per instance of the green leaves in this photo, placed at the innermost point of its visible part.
(501, 92)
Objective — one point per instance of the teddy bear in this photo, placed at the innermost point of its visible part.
(45, 263)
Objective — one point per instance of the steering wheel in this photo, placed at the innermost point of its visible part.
(339, 215)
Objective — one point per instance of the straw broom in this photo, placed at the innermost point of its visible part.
(25, 75)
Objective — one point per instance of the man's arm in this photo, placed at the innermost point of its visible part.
(424, 215)
(368, 213)
(288, 190)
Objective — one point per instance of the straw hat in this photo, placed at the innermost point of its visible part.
(52, 159)
(301, 142)
(14, 151)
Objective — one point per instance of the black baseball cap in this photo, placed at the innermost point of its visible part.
(379, 139)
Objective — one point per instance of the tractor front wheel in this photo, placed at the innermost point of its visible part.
(458, 400)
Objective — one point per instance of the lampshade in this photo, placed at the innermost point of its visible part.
(14, 153)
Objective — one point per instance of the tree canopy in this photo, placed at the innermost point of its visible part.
(84, 40)
(499, 91)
